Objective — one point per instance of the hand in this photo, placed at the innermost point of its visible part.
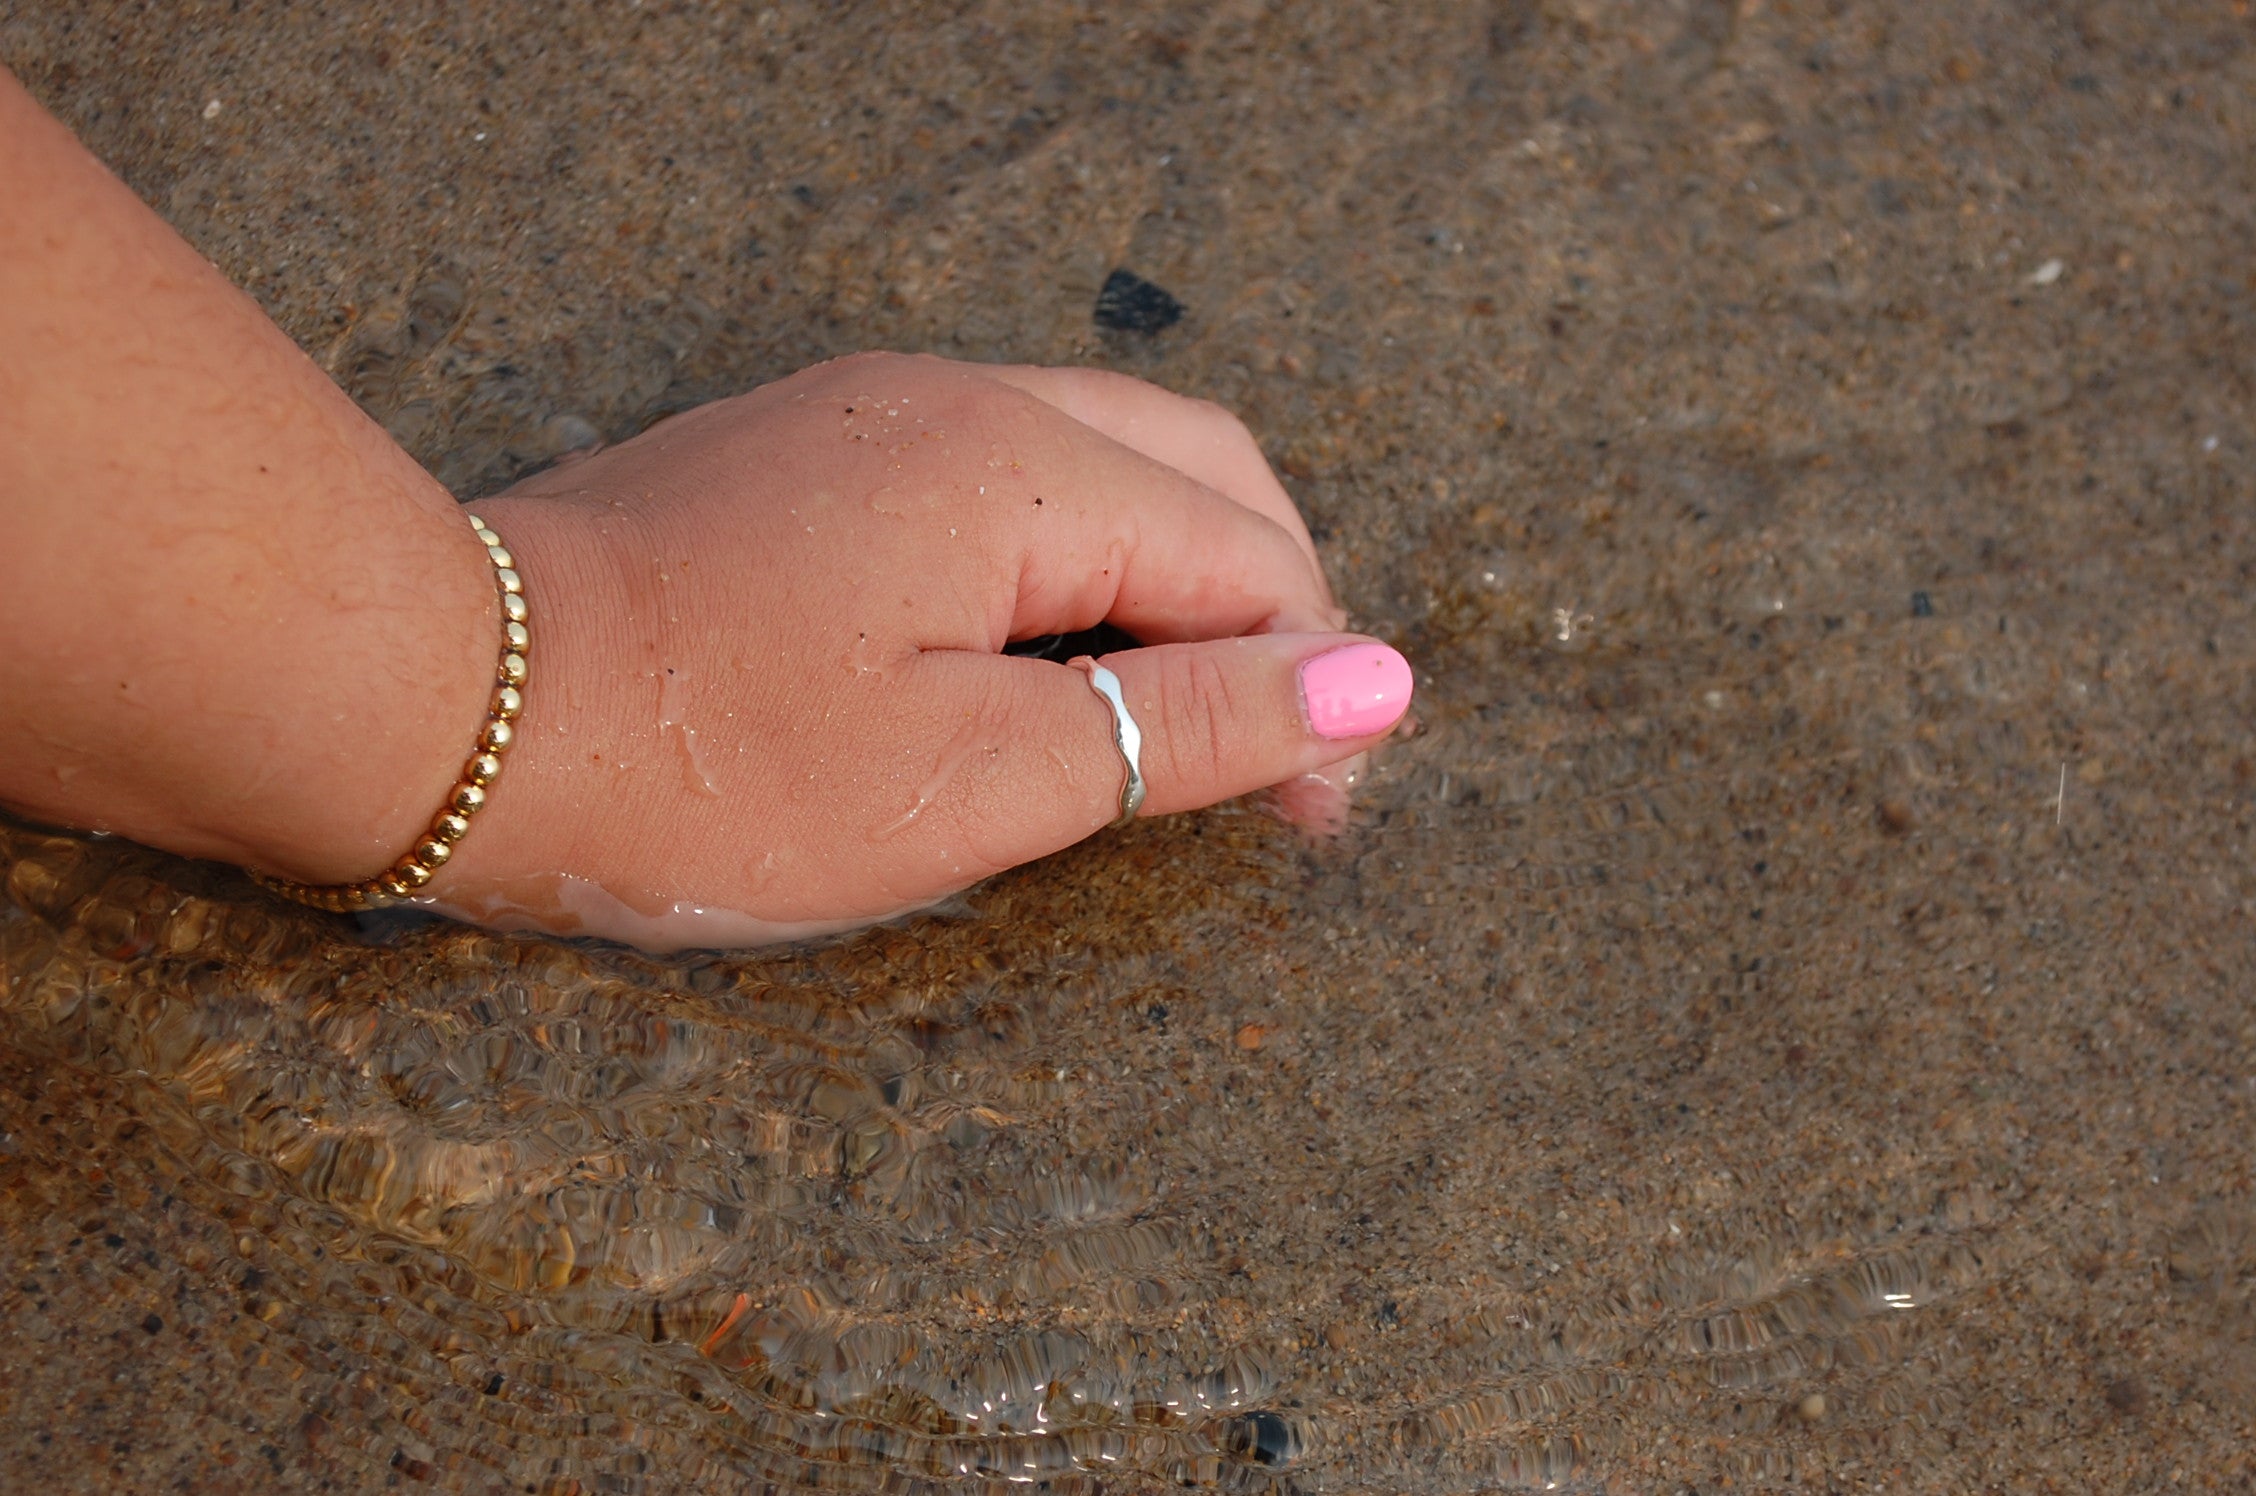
(768, 694)
(767, 697)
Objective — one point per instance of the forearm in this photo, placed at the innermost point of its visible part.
(236, 620)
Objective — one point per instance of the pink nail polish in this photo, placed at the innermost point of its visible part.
(1354, 691)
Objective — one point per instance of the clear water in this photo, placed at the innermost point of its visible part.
(1780, 1023)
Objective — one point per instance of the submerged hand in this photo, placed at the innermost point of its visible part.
(769, 695)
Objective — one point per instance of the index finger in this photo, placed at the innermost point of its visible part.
(1195, 437)
(1063, 527)
(1132, 541)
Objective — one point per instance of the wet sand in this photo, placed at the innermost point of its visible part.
(1783, 1023)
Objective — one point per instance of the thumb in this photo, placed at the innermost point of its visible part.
(1028, 758)
(1225, 717)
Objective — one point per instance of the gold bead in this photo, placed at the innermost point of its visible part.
(400, 881)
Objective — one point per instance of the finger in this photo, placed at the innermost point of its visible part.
(1077, 529)
(1112, 535)
(1060, 529)
(1218, 719)
(1318, 801)
(1195, 437)
(1231, 716)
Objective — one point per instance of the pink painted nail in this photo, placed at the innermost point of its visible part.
(1355, 690)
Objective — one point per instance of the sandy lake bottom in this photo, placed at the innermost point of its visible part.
(1783, 1021)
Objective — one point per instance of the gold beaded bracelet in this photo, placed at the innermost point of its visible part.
(400, 881)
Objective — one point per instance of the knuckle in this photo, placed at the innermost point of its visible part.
(867, 361)
(882, 364)
(1220, 417)
(1223, 425)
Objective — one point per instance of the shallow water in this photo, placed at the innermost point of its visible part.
(1782, 1021)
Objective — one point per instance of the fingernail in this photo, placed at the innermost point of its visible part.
(1355, 690)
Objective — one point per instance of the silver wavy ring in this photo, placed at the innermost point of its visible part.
(1126, 735)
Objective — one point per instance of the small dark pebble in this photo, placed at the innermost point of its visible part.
(1129, 303)
(1263, 1438)
(1922, 606)
(152, 1324)
(2127, 1396)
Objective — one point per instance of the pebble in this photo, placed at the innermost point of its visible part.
(1129, 303)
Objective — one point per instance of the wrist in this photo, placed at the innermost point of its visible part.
(376, 690)
(559, 799)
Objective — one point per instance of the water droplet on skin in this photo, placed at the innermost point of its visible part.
(866, 658)
(761, 871)
(672, 687)
(960, 747)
